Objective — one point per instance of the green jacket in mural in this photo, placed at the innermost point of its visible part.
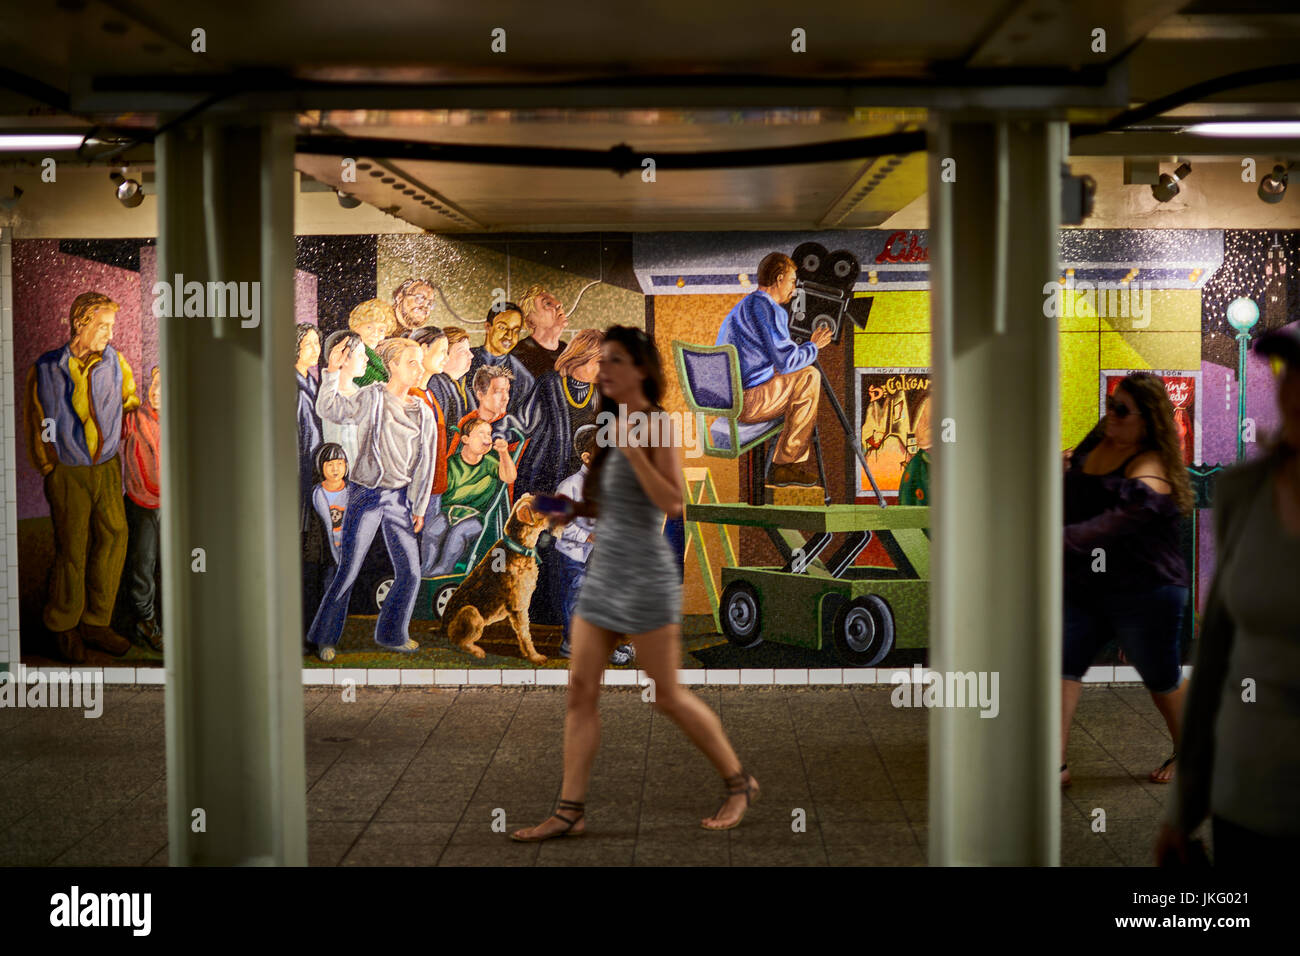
(914, 488)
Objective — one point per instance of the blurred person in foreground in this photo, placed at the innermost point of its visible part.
(1240, 757)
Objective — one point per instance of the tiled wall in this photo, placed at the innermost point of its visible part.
(8, 477)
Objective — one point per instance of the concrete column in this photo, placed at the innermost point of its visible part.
(229, 487)
(996, 562)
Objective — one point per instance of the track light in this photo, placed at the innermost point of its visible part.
(129, 192)
(1273, 186)
(346, 201)
(1167, 188)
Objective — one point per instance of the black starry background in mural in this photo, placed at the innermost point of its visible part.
(345, 268)
(1245, 273)
(119, 253)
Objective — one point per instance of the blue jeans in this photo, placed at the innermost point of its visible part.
(1146, 624)
(435, 527)
(570, 584)
(371, 510)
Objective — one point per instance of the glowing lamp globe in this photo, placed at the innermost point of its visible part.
(1243, 313)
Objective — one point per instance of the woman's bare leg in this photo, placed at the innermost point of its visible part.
(1070, 690)
(590, 648)
(660, 652)
(1170, 706)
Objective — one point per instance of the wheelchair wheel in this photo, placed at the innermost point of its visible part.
(739, 613)
(441, 598)
(381, 592)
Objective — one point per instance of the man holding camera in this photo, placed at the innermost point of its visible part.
(776, 373)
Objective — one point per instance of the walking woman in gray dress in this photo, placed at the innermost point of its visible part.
(633, 588)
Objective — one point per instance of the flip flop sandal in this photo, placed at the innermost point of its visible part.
(736, 785)
(571, 806)
(1152, 776)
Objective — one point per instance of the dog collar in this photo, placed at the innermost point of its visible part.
(518, 548)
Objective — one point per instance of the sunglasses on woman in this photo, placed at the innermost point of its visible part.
(1118, 409)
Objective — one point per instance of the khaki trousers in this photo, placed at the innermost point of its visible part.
(90, 541)
(793, 395)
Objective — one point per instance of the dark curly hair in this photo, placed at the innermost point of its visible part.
(1152, 401)
(645, 356)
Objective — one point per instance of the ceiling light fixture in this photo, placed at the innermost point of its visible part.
(1273, 186)
(1167, 188)
(1286, 128)
(128, 191)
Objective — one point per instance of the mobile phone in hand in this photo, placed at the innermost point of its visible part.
(552, 504)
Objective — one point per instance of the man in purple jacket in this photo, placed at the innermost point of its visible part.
(777, 374)
(76, 397)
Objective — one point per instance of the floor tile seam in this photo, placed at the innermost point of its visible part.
(460, 820)
(794, 731)
(405, 767)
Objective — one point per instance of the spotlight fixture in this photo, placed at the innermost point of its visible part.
(1273, 186)
(128, 191)
(346, 201)
(1167, 188)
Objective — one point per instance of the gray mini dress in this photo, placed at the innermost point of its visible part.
(633, 583)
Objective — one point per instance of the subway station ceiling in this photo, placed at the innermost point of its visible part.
(653, 76)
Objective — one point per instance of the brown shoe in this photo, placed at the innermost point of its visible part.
(793, 473)
(70, 646)
(105, 638)
(149, 633)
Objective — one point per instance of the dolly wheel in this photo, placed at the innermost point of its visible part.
(441, 598)
(864, 631)
(740, 616)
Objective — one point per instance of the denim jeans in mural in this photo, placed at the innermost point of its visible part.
(570, 585)
(371, 510)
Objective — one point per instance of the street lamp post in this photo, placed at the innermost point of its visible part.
(1243, 313)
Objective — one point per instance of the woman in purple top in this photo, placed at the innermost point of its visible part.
(1126, 490)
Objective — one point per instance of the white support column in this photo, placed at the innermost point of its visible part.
(996, 563)
(235, 744)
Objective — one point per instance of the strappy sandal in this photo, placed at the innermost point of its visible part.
(571, 806)
(1152, 776)
(737, 785)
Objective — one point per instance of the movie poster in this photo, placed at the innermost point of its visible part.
(1183, 388)
(893, 420)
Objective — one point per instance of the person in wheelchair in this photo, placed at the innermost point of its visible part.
(476, 474)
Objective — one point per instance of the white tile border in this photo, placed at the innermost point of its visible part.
(556, 677)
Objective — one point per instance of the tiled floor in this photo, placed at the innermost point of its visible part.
(415, 776)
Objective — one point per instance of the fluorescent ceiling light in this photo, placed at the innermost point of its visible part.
(32, 141)
(1290, 128)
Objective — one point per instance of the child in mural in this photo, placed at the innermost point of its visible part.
(330, 497)
(475, 475)
(324, 536)
(141, 476)
(492, 394)
(374, 320)
(392, 476)
(914, 488)
(309, 424)
(77, 396)
(573, 546)
(449, 387)
(433, 342)
(351, 354)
